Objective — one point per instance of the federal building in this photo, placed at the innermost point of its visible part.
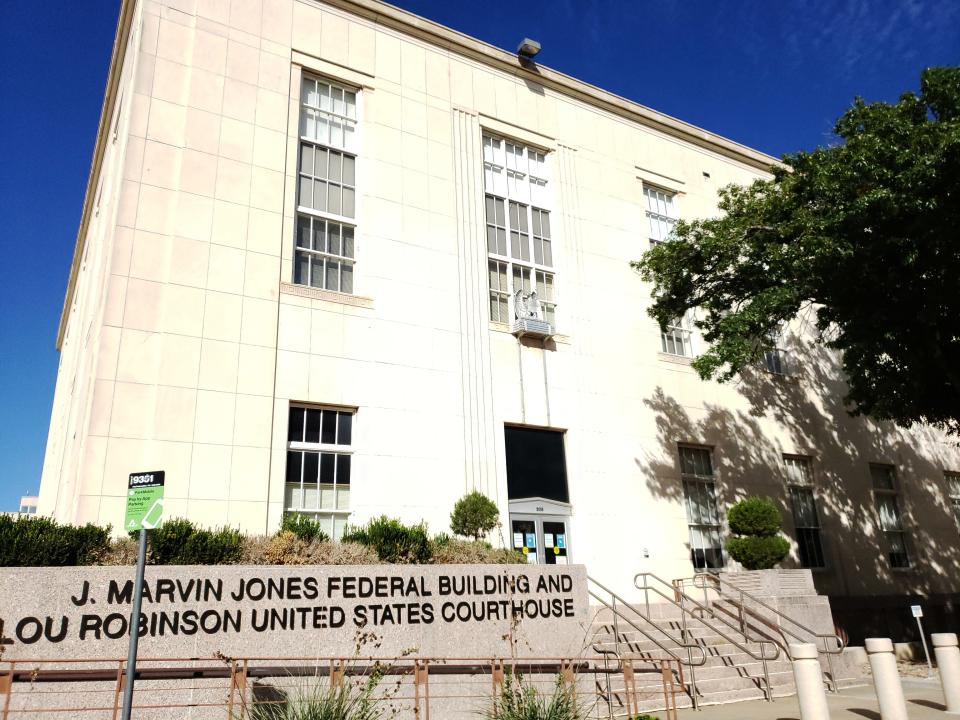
(339, 260)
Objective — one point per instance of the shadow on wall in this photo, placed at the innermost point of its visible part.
(803, 414)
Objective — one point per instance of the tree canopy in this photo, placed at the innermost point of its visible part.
(864, 234)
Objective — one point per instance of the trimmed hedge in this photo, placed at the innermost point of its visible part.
(305, 528)
(474, 516)
(180, 542)
(756, 522)
(393, 541)
(40, 541)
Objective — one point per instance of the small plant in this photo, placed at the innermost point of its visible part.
(393, 541)
(305, 528)
(180, 542)
(447, 550)
(474, 516)
(756, 523)
(520, 700)
(40, 541)
(323, 701)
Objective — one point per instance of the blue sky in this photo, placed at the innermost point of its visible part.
(772, 75)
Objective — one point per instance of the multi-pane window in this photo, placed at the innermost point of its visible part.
(678, 337)
(319, 454)
(326, 187)
(700, 494)
(953, 492)
(776, 358)
(806, 520)
(661, 213)
(888, 509)
(519, 240)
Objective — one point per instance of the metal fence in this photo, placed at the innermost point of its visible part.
(261, 688)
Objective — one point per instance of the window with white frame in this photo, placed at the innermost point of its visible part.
(953, 492)
(319, 455)
(700, 494)
(887, 500)
(776, 358)
(806, 520)
(661, 213)
(678, 337)
(326, 186)
(517, 218)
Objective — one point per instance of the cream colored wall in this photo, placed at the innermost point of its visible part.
(203, 342)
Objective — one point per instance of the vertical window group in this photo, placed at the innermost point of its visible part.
(326, 187)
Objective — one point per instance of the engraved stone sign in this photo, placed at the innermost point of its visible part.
(246, 611)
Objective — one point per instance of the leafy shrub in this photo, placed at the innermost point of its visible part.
(467, 552)
(180, 542)
(393, 541)
(758, 553)
(754, 516)
(285, 548)
(474, 515)
(519, 700)
(121, 551)
(756, 522)
(40, 541)
(305, 528)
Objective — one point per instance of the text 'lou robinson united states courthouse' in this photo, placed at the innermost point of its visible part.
(339, 260)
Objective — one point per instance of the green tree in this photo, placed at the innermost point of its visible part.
(862, 234)
(474, 515)
(756, 522)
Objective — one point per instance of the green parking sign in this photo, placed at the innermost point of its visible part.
(144, 501)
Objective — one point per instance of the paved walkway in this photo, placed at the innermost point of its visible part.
(924, 702)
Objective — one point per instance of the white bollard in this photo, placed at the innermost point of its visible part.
(947, 653)
(808, 676)
(886, 679)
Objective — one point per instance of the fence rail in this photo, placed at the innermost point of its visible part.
(248, 688)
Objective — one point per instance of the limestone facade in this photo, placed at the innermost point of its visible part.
(192, 323)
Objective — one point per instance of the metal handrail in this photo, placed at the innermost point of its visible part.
(684, 611)
(742, 607)
(715, 577)
(689, 647)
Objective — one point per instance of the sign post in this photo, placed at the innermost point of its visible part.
(144, 512)
(918, 613)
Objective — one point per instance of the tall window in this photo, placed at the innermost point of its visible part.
(519, 244)
(319, 452)
(700, 493)
(953, 492)
(326, 187)
(678, 338)
(776, 358)
(887, 501)
(805, 517)
(661, 213)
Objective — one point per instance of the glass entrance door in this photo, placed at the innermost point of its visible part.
(544, 540)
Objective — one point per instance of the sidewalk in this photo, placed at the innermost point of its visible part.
(924, 702)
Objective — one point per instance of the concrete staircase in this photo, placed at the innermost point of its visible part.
(728, 675)
(726, 645)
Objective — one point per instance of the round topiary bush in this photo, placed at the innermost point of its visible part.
(756, 522)
(474, 516)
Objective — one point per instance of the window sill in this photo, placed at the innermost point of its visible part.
(326, 295)
(675, 359)
(508, 329)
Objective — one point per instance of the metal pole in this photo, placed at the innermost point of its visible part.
(926, 654)
(134, 628)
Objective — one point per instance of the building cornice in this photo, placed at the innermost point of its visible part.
(435, 34)
(442, 36)
(120, 41)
